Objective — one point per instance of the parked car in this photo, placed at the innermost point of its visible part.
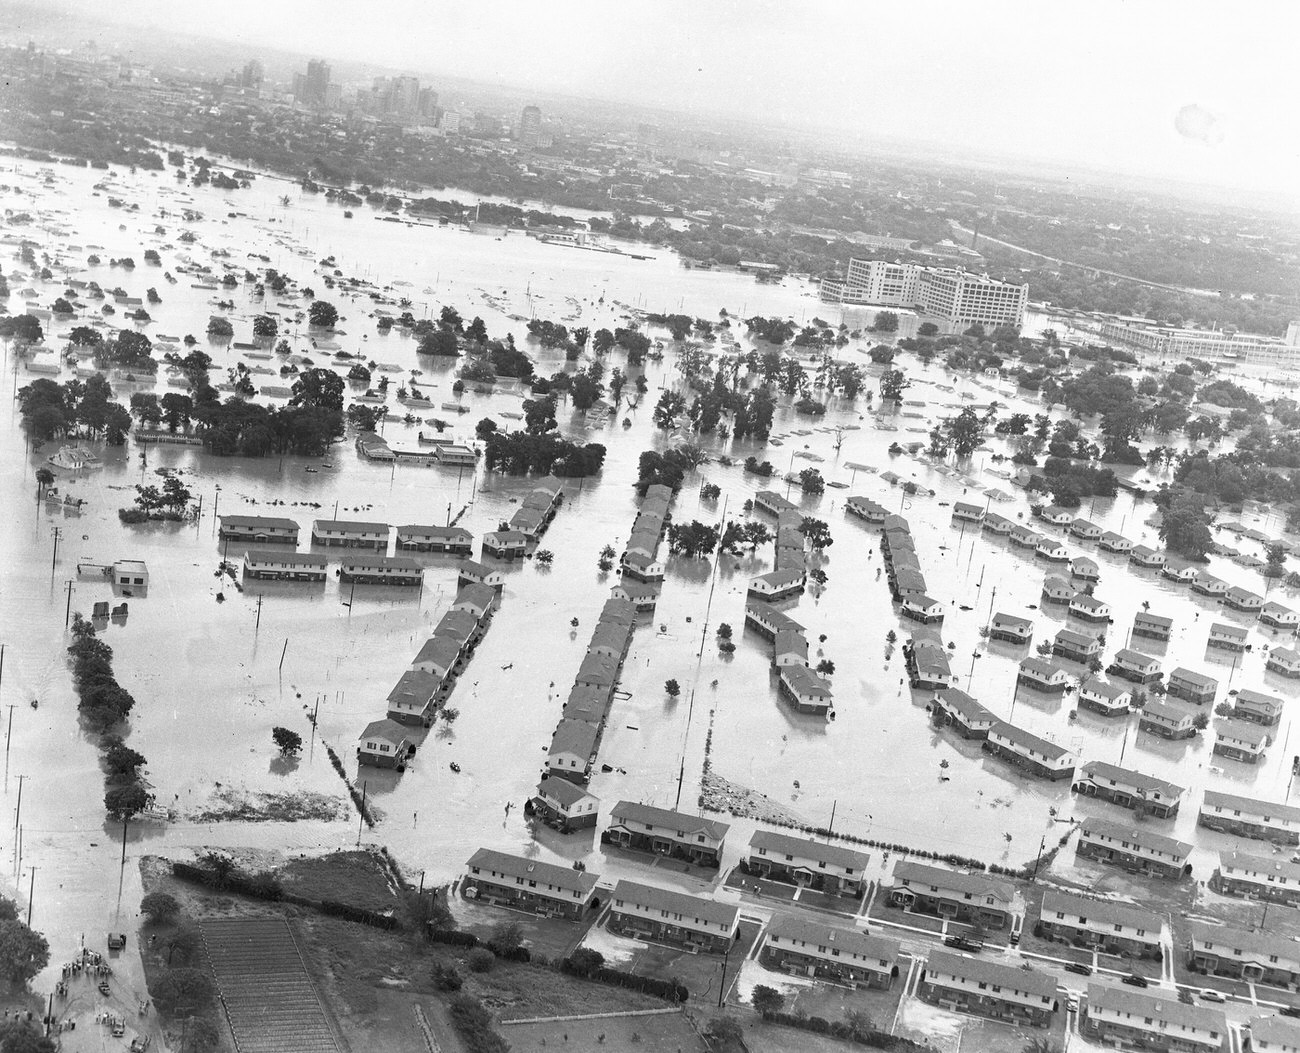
(1072, 1004)
(1211, 995)
(1134, 980)
(963, 943)
(1078, 967)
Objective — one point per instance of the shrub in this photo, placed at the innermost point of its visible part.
(481, 960)
(453, 937)
(159, 906)
(447, 978)
(473, 1023)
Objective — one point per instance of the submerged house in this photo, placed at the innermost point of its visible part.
(645, 828)
(1038, 756)
(1248, 817)
(1167, 719)
(1143, 793)
(1134, 848)
(1191, 686)
(1012, 628)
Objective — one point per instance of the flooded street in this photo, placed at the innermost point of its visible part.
(212, 678)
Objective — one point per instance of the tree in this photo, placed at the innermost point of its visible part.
(817, 532)
(185, 988)
(123, 802)
(449, 318)
(439, 342)
(892, 385)
(44, 478)
(886, 322)
(265, 327)
(220, 328)
(767, 1001)
(318, 389)
(725, 1032)
(671, 405)
(121, 760)
(811, 481)
(18, 1036)
(159, 907)
(289, 743)
(1275, 555)
(693, 539)
(23, 953)
(927, 329)
(965, 432)
(322, 314)
(484, 428)
(1040, 1045)
(506, 936)
(826, 667)
(673, 688)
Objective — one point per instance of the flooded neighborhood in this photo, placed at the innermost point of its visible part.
(509, 707)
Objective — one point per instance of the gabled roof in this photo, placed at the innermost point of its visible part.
(255, 522)
(1275, 1030)
(1241, 731)
(1138, 837)
(805, 848)
(441, 649)
(574, 736)
(353, 526)
(458, 625)
(565, 879)
(1135, 658)
(1198, 679)
(448, 532)
(598, 668)
(803, 681)
(1020, 737)
(954, 880)
(1251, 806)
(291, 559)
(1135, 779)
(843, 938)
(476, 594)
(1255, 864)
(1142, 1004)
(1147, 618)
(1097, 686)
(664, 818)
(1012, 621)
(691, 908)
(1007, 977)
(564, 792)
(1107, 911)
(415, 688)
(386, 730)
(1167, 710)
(1225, 629)
(1041, 667)
(970, 710)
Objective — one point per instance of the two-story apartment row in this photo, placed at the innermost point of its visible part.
(1135, 849)
(1253, 955)
(526, 884)
(664, 916)
(646, 828)
(812, 864)
(1142, 1020)
(538, 508)
(1257, 877)
(1115, 928)
(1002, 992)
(965, 897)
(837, 953)
(1145, 794)
(1037, 756)
(1247, 817)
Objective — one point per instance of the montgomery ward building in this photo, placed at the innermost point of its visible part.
(1139, 1020)
(1130, 789)
(1134, 849)
(664, 832)
(952, 894)
(844, 955)
(526, 884)
(664, 916)
(1114, 927)
(1003, 992)
(1257, 877)
(798, 861)
(1251, 955)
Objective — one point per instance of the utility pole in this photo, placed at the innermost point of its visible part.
(18, 811)
(31, 893)
(67, 610)
(830, 827)
(125, 819)
(258, 623)
(1042, 843)
(361, 821)
(216, 500)
(58, 535)
(722, 987)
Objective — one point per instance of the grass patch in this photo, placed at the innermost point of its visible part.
(356, 878)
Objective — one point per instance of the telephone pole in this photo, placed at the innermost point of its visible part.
(67, 610)
(31, 895)
(58, 535)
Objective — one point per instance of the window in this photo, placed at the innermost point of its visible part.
(700, 838)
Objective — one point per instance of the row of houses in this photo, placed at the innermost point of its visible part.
(640, 560)
(425, 685)
(789, 574)
(344, 533)
(907, 582)
(528, 523)
(267, 564)
(803, 689)
(443, 453)
(576, 739)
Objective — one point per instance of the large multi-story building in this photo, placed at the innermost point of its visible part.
(313, 87)
(946, 294)
(1166, 341)
(530, 127)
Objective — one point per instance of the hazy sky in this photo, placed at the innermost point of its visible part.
(1099, 82)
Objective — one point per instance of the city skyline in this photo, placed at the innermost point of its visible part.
(1130, 90)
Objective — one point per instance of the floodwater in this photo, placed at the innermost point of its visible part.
(212, 678)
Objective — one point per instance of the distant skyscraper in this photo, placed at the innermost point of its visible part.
(252, 75)
(428, 104)
(406, 95)
(530, 127)
(316, 84)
